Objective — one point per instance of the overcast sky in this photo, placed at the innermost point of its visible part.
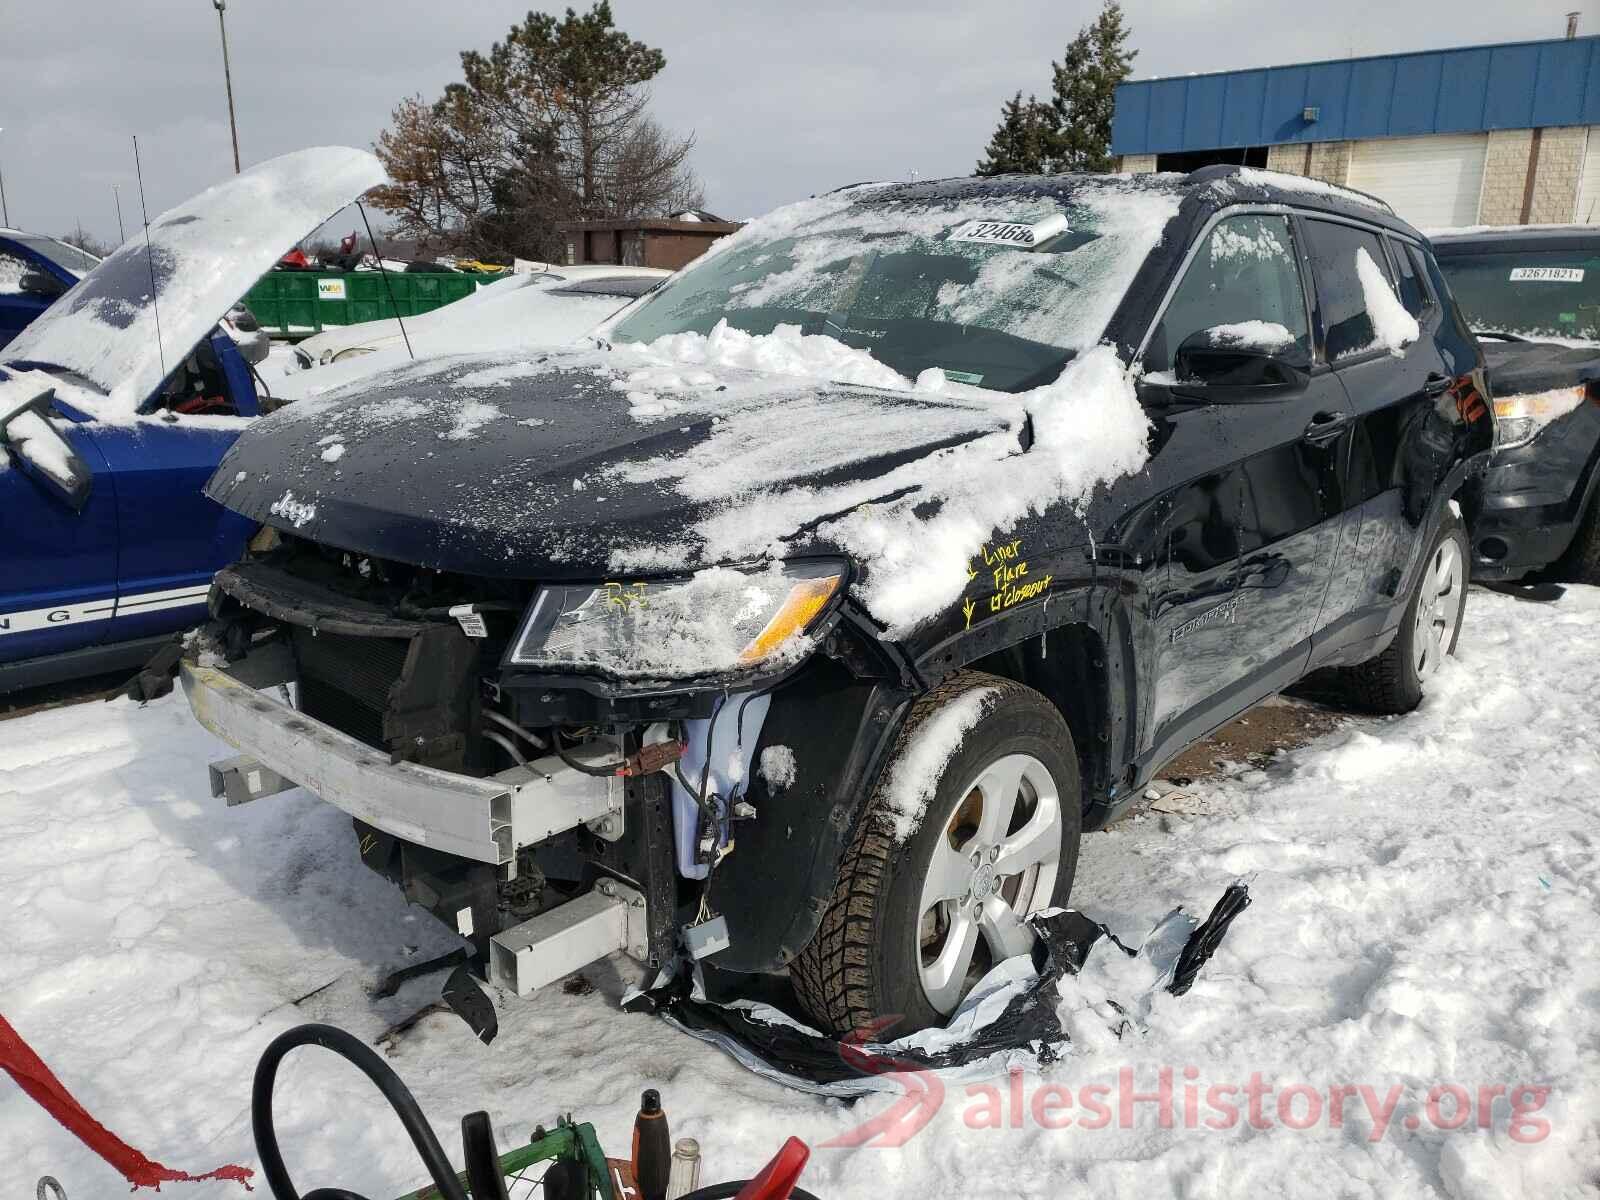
(784, 100)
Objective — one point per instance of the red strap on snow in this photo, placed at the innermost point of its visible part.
(778, 1177)
(19, 1061)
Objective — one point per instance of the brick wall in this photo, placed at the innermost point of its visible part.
(1330, 161)
(1505, 176)
(1555, 177)
(1288, 157)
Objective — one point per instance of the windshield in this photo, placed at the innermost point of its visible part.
(997, 287)
(79, 262)
(1532, 293)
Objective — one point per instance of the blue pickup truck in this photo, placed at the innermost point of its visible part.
(117, 401)
(34, 271)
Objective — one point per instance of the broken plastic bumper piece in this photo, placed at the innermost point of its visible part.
(483, 819)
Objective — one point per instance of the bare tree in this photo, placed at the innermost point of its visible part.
(551, 125)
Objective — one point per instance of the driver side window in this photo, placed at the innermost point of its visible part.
(1245, 271)
(12, 269)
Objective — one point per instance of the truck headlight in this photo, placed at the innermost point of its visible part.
(1518, 419)
(714, 621)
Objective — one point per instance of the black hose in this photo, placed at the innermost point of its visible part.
(358, 1053)
(604, 771)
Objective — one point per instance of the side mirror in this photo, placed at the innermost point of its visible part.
(38, 448)
(38, 283)
(1253, 355)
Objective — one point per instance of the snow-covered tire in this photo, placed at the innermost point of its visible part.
(866, 963)
(1581, 562)
(1392, 682)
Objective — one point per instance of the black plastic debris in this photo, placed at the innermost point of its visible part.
(1203, 942)
(1012, 1013)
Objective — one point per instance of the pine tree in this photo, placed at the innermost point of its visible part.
(1085, 85)
(1021, 142)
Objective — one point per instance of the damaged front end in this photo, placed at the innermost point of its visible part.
(521, 759)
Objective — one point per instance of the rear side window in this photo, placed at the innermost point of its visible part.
(1413, 292)
(1334, 249)
(1245, 274)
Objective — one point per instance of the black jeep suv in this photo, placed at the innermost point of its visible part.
(1532, 295)
(803, 619)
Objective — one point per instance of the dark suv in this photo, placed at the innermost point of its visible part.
(1532, 295)
(723, 636)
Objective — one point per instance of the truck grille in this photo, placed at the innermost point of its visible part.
(346, 682)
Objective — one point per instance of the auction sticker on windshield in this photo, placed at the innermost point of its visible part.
(1011, 233)
(1546, 274)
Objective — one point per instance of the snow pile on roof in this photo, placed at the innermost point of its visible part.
(1252, 335)
(1256, 177)
(920, 762)
(202, 256)
(1394, 326)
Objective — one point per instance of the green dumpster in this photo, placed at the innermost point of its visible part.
(297, 304)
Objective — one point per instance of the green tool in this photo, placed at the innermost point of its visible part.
(568, 1142)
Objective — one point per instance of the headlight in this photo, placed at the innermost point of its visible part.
(1518, 419)
(714, 621)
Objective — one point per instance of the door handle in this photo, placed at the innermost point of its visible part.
(1436, 384)
(1325, 426)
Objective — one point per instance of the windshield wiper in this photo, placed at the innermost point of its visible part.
(1500, 334)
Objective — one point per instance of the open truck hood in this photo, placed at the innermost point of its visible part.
(201, 257)
(546, 465)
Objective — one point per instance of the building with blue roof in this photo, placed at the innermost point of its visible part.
(1498, 134)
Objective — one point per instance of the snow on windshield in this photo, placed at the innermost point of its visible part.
(900, 273)
(202, 256)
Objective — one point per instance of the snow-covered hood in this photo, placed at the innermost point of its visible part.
(1517, 368)
(559, 464)
(202, 256)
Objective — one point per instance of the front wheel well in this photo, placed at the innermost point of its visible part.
(1067, 665)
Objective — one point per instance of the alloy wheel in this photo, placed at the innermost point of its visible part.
(994, 866)
(1438, 607)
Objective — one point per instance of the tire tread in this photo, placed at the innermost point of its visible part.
(833, 976)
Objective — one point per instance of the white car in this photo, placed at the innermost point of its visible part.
(546, 308)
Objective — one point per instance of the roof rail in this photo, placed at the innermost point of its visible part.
(1212, 171)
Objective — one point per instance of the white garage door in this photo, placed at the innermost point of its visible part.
(1433, 182)
(1588, 210)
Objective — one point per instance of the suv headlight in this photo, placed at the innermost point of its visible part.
(1518, 419)
(718, 620)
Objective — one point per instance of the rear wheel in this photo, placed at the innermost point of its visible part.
(1393, 681)
(915, 922)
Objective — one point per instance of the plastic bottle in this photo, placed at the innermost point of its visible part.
(652, 1148)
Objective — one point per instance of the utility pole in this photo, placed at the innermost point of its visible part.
(5, 213)
(116, 194)
(227, 77)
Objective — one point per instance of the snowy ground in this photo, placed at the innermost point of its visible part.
(1425, 916)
